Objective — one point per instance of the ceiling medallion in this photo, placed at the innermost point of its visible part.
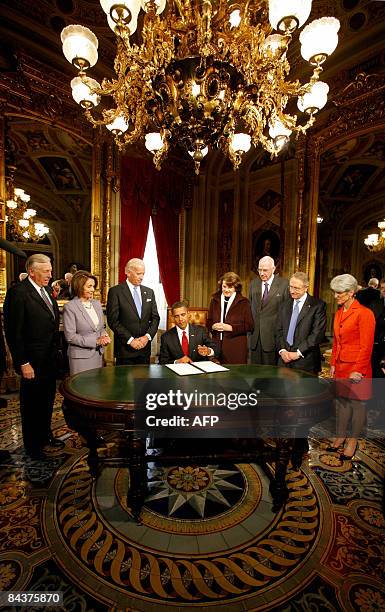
(204, 74)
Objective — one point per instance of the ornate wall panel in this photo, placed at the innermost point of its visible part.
(359, 109)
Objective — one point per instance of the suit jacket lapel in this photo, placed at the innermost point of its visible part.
(176, 347)
(352, 310)
(192, 341)
(144, 294)
(273, 289)
(287, 316)
(127, 293)
(39, 300)
(305, 309)
(235, 301)
(78, 304)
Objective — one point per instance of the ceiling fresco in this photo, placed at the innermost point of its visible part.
(51, 165)
(352, 175)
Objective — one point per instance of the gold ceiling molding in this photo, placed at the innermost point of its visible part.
(37, 92)
(359, 108)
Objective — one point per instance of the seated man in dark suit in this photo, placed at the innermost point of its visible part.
(185, 343)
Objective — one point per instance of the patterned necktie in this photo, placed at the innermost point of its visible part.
(293, 323)
(184, 344)
(265, 294)
(47, 301)
(137, 301)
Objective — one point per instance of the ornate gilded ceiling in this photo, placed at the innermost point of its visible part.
(352, 176)
(30, 51)
(51, 165)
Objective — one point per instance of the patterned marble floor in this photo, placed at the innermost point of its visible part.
(207, 539)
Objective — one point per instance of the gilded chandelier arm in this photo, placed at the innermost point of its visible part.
(202, 72)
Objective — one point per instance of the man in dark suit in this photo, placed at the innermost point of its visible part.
(370, 297)
(3, 364)
(266, 295)
(301, 326)
(185, 343)
(133, 316)
(4, 455)
(31, 323)
(382, 291)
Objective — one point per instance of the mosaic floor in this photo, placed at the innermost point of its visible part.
(208, 539)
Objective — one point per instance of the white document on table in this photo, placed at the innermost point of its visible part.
(209, 366)
(183, 369)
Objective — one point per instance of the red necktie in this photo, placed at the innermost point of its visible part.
(184, 344)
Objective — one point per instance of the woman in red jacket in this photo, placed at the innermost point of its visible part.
(230, 319)
(350, 364)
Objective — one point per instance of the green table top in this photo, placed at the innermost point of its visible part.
(117, 384)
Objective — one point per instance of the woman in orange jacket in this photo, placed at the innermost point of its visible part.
(350, 364)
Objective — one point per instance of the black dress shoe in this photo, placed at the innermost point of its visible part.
(3, 402)
(55, 442)
(344, 457)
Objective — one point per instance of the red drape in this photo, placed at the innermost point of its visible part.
(146, 192)
(135, 211)
(166, 230)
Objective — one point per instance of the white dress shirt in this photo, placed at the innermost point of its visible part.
(38, 289)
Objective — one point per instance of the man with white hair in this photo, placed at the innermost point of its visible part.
(373, 282)
(31, 323)
(133, 316)
(266, 295)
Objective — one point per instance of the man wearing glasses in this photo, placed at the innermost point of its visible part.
(266, 295)
(301, 326)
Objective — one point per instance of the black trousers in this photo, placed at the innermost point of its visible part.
(139, 359)
(37, 396)
(261, 357)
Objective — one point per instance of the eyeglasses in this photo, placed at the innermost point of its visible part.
(296, 288)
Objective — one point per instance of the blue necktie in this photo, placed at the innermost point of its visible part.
(293, 323)
(137, 301)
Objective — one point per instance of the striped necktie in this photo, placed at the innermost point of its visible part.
(47, 301)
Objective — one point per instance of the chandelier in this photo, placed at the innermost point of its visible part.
(376, 242)
(19, 218)
(203, 74)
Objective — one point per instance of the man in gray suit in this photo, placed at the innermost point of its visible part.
(133, 316)
(266, 295)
